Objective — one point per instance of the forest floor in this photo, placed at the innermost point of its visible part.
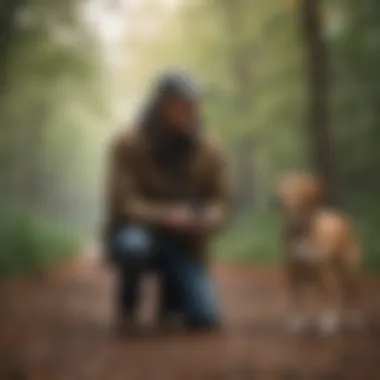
(59, 327)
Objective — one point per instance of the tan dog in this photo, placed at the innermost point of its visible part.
(322, 256)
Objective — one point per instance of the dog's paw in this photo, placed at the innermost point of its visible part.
(328, 323)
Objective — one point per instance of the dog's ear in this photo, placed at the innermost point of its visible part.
(302, 190)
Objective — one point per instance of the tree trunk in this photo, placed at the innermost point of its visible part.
(322, 154)
(8, 15)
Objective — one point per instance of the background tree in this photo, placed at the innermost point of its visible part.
(321, 147)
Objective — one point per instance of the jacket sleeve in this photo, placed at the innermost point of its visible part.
(123, 192)
(219, 192)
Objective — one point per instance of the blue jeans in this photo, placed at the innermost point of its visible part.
(187, 288)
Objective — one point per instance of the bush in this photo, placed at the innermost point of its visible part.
(31, 241)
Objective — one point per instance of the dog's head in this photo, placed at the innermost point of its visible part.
(299, 194)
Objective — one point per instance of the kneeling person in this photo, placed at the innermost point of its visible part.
(168, 177)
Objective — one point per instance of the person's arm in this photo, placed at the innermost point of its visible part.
(123, 191)
(219, 193)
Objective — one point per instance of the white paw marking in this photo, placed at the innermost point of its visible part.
(329, 322)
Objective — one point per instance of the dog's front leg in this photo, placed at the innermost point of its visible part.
(298, 318)
(330, 301)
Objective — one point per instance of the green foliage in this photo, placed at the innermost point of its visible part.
(31, 241)
(52, 112)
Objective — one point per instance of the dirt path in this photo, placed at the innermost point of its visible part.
(59, 328)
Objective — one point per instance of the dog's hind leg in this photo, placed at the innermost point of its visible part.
(352, 292)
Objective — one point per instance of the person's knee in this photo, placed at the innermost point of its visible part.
(196, 293)
(203, 309)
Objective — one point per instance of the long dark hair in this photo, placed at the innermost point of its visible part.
(172, 152)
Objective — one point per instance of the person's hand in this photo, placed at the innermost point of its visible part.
(185, 219)
(180, 218)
